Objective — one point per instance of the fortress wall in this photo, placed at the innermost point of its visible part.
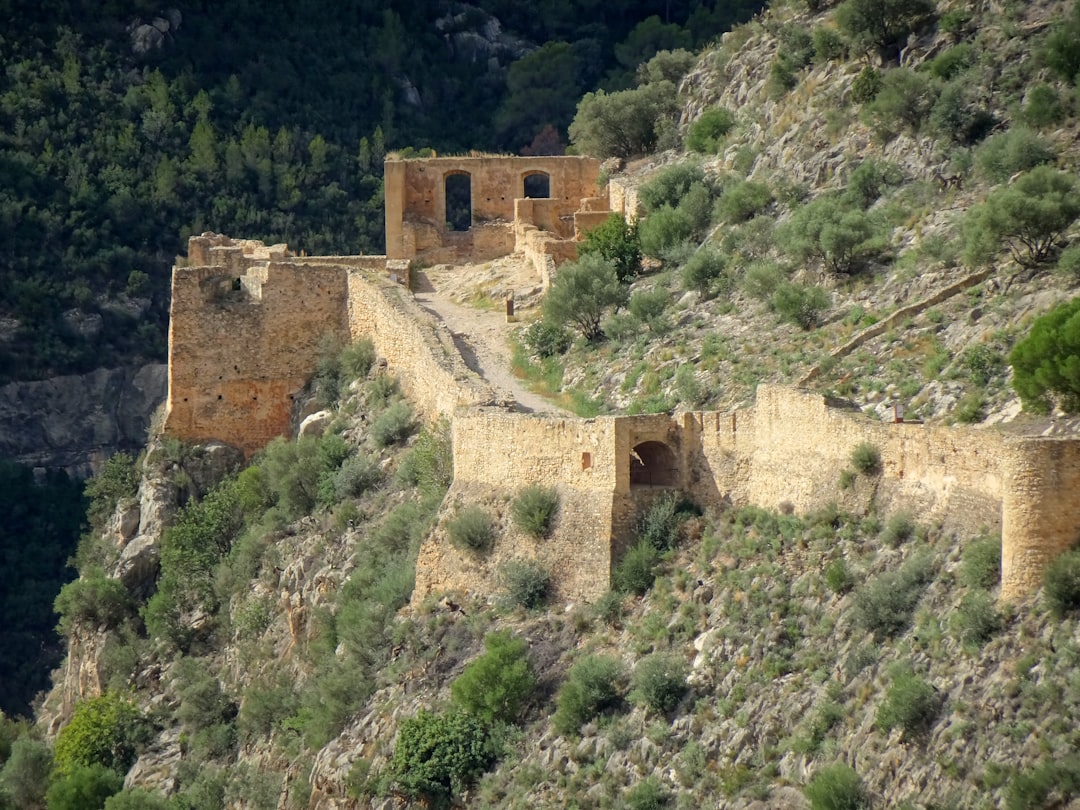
(544, 251)
(373, 264)
(1041, 512)
(417, 350)
(237, 357)
(623, 199)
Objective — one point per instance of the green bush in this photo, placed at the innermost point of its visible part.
(358, 358)
(670, 186)
(592, 686)
(94, 600)
(582, 293)
(429, 464)
(762, 279)
(828, 44)
(393, 425)
(664, 230)
(648, 794)
(659, 681)
(84, 787)
(105, 730)
(831, 230)
(496, 685)
(1061, 583)
(953, 61)
(976, 620)
(743, 200)
(545, 339)
(438, 756)
(910, 703)
(960, 113)
(1044, 362)
(137, 799)
(354, 477)
(1061, 48)
(799, 304)
(902, 104)
(866, 458)
(527, 583)
(118, 479)
(616, 241)
(659, 524)
(1030, 216)
(899, 529)
(885, 604)
(636, 572)
(839, 577)
(869, 180)
(25, 775)
(836, 787)
(982, 363)
(866, 85)
(980, 563)
(472, 528)
(1068, 263)
(648, 307)
(704, 272)
(381, 391)
(1031, 790)
(883, 24)
(625, 123)
(1017, 150)
(534, 510)
(707, 133)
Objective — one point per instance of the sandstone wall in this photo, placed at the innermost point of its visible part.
(417, 349)
(242, 346)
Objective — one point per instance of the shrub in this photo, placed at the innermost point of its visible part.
(358, 358)
(380, 391)
(393, 425)
(527, 583)
(866, 459)
(438, 756)
(496, 685)
(636, 572)
(472, 528)
(883, 24)
(592, 685)
(430, 462)
(534, 510)
(136, 799)
(866, 85)
(704, 271)
(105, 730)
(902, 103)
(93, 599)
(762, 279)
(356, 476)
(869, 179)
(839, 577)
(648, 307)
(659, 525)
(1031, 790)
(659, 681)
(836, 787)
(743, 200)
(960, 113)
(25, 775)
(980, 563)
(981, 363)
(670, 186)
(1069, 262)
(1043, 107)
(665, 229)
(609, 607)
(976, 619)
(616, 241)
(1029, 216)
(830, 230)
(910, 703)
(85, 787)
(581, 294)
(884, 605)
(707, 133)
(625, 123)
(799, 304)
(828, 44)
(1061, 49)
(1044, 362)
(1017, 150)
(648, 794)
(899, 529)
(545, 339)
(1061, 583)
(953, 61)
(118, 479)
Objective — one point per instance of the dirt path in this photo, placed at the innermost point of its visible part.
(469, 299)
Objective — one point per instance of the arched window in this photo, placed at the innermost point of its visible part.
(537, 185)
(458, 201)
(653, 464)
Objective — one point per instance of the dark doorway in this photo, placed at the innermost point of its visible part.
(538, 186)
(653, 464)
(458, 202)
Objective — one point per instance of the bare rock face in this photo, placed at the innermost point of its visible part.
(78, 421)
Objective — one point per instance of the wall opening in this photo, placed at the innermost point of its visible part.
(458, 201)
(653, 464)
(537, 185)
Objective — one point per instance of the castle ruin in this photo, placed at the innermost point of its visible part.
(247, 320)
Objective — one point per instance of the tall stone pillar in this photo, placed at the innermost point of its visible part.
(1040, 515)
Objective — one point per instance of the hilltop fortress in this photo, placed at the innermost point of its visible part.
(247, 320)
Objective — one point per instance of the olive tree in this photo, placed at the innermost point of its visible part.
(582, 293)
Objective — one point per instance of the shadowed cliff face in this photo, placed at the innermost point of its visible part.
(76, 422)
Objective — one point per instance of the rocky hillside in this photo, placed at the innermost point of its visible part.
(258, 654)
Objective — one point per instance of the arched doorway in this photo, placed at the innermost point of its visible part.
(537, 185)
(458, 187)
(653, 464)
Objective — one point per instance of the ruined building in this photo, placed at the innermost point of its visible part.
(247, 320)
